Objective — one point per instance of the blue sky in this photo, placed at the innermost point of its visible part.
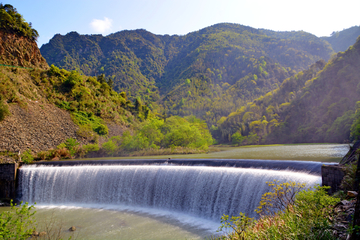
(318, 17)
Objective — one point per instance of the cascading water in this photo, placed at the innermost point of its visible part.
(205, 192)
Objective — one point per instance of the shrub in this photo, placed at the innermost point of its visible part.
(240, 225)
(27, 157)
(61, 153)
(88, 119)
(101, 129)
(43, 155)
(281, 197)
(91, 147)
(17, 223)
(110, 147)
(295, 213)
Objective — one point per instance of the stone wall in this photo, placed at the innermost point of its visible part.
(8, 180)
(332, 176)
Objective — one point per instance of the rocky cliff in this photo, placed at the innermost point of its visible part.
(20, 51)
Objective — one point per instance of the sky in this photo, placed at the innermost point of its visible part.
(50, 17)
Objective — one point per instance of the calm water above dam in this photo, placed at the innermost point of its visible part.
(158, 201)
(303, 152)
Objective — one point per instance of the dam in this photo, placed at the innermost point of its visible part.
(203, 189)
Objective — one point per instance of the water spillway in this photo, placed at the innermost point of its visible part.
(199, 191)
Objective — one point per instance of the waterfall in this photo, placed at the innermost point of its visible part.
(199, 191)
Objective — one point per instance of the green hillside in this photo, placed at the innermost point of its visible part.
(57, 113)
(207, 73)
(340, 41)
(315, 105)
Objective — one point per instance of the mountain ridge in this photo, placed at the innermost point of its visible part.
(152, 66)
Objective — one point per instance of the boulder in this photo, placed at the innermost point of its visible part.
(352, 194)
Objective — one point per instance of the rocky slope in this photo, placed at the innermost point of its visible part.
(38, 126)
(20, 51)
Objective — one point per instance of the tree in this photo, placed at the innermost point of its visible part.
(13, 22)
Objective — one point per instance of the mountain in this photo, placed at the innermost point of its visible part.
(340, 41)
(42, 106)
(319, 104)
(207, 73)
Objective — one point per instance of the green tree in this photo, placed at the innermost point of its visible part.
(13, 22)
(237, 138)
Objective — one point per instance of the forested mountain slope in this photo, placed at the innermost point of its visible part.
(208, 73)
(340, 41)
(316, 105)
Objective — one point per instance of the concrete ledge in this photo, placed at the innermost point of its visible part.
(332, 176)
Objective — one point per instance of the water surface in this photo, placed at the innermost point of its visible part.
(305, 152)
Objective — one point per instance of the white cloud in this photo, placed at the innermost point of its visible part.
(101, 26)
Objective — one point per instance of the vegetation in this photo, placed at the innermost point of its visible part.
(257, 78)
(207, 73)
(154, 137)
(306, 214)
(17, 223)
(341, 40)
(156, 133)
(315, 105)
(27, 156)
(4, 110)
(12, 22)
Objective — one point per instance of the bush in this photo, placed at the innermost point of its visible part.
(101, 129)
(88, 119)
(17, 223)
(301, 214)
(110, 147)
(240, 225)
(27, 157)
(91, 147)
(281, 197)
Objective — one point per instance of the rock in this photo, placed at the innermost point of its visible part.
(72, 228)
(352, 193)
